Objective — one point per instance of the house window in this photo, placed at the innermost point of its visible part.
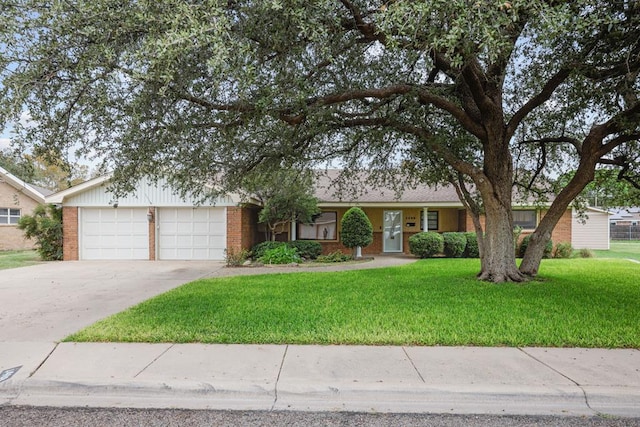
(9, 216)
(323, 228)
(525, 219)
(432, 220)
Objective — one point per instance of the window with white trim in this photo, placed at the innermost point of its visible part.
(525, 219)
(323, 228)
(9, 216)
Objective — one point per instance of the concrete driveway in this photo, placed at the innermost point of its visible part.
(47, 302)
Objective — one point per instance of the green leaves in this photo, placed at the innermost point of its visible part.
(356, 228)
(45, 226)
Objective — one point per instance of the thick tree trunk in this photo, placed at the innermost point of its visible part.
(498, 257)
(539, 238)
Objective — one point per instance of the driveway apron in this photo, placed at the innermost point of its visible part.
(49, 301)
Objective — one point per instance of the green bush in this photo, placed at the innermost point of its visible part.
(336, 256)
(563, 250)
(585, 253)
(426, 244)
(454, 244)
(45, 226)
(471, 250)
(356, 229)
(258, 250)
(548, 249)
(307, 249)
(283, 254)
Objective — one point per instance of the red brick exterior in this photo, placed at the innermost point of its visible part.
(375, 248)
(242, 228)
(70, 233)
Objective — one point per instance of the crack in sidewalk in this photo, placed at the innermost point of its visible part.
(584, 393)
(154, 360)
(413, 364)
(275, 400)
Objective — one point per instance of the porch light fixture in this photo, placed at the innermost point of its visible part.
(150, 215)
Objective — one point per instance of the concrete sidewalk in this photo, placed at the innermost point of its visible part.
(462, 380)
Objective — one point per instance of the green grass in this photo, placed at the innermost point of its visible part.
(14, 259)
(578, 302)
(621, 249)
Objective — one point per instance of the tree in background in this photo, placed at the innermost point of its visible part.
(607, 191)
(499, 93)
(357, 231)
(48, 172)
(45, 226)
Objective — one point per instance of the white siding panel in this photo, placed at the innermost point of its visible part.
(192, 233)
(593, 234)
(114, 234)
(147, 193)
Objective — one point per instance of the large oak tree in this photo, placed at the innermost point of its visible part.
(495, 94)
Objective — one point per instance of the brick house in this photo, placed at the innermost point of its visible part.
(17, 198)
(155, 223)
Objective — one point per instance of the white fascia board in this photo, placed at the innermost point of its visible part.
(20, 185)
(58, 198)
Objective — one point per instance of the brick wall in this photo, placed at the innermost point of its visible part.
(242, 230)
(11, 237)
(70, 233)
(562, 231)
(375, 248)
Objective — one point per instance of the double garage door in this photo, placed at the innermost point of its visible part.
(180, 233)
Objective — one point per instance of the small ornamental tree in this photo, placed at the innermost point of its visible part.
(45, 225)
(357, 231)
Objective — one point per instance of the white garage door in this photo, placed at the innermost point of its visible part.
(192, 233)
(108, 233)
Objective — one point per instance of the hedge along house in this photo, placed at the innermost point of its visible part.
(395, 219)
(152, 223)
(17, 198)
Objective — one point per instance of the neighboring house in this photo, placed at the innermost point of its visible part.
(17, 198)
(626, 217)
(625, 224)
(155, 223)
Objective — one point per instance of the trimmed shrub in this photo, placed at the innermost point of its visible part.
(307, 249)
(283, 254)
(426, 244)
(563, 250)
(454, 244)
(548, 249)
(336, 256)
(258, 250)
(471, 249)
(356, 229)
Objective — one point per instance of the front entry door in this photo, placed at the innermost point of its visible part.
(392, 234)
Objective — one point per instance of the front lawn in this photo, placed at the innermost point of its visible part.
(621, 249)
(579, 302)
(13, 259)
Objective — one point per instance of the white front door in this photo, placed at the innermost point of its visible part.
(392, 233)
